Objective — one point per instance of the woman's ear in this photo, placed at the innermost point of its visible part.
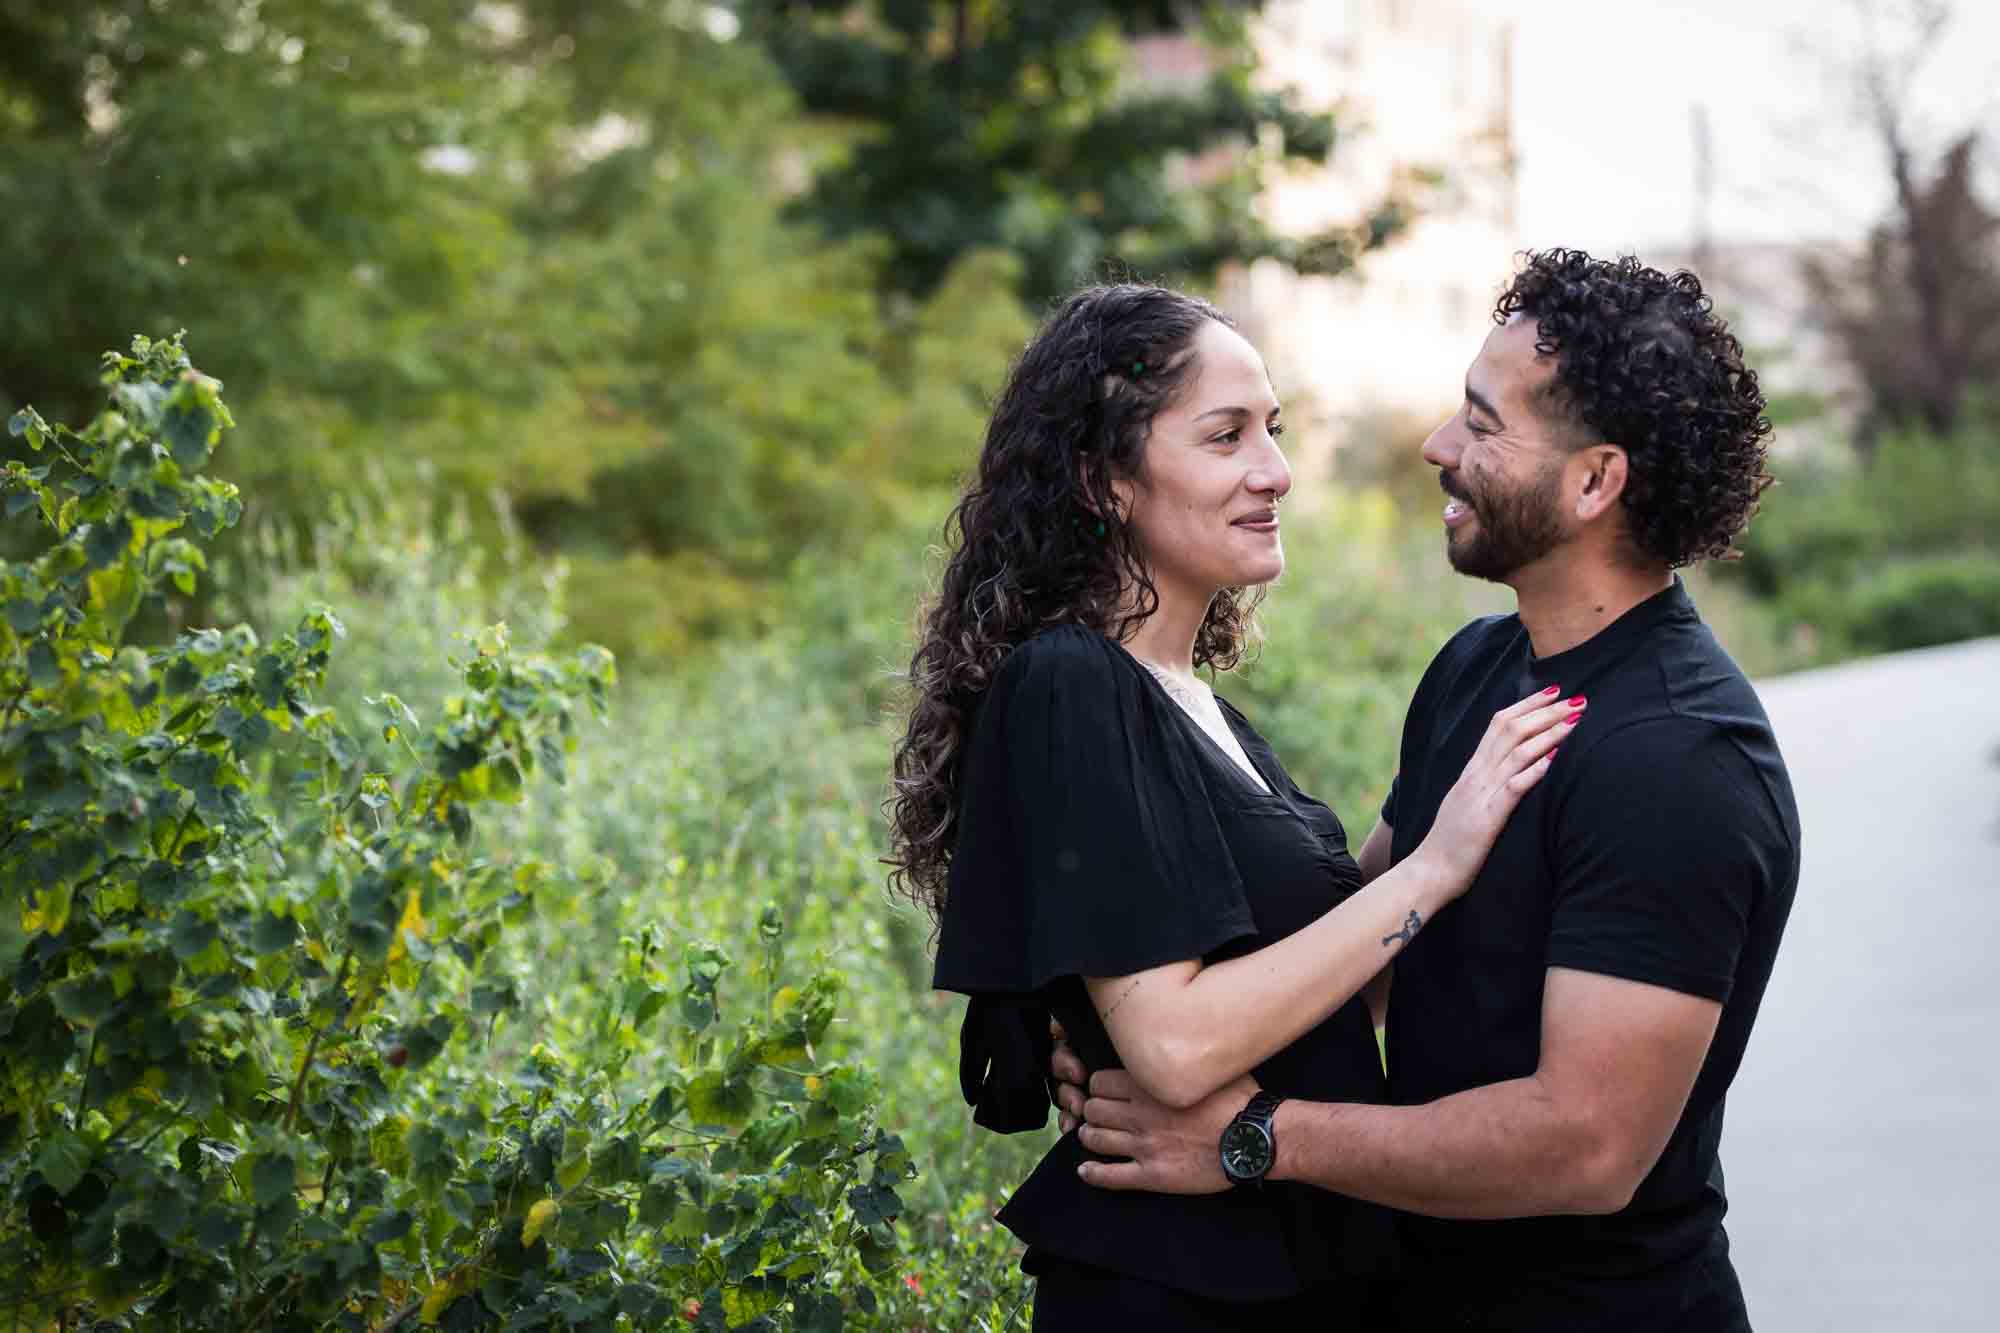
(1121, 498)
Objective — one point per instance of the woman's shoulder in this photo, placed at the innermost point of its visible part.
(1068, 655)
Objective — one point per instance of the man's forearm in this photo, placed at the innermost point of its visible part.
(1504, 1150)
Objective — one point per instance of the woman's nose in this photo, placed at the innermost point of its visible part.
(1273, 475)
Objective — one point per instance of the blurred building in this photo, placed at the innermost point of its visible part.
(1371, 361)
(1419, 86)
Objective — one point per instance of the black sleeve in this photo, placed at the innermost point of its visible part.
(1087, 844)
(1665, 843)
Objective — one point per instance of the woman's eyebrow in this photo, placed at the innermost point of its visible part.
(1240, 413)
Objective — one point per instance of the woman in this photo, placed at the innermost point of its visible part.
(1103, 839)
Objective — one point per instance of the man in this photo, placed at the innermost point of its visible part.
(1560, 1039)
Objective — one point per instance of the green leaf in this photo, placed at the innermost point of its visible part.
(63, 1159)
(44, 671)
(874, 1203)
(273, 933)
(84, 1001)
(714, 1099)
(817, 1312)
(187, 429)
(190, 935)
(273, 1176)
(107, 542)
(389, 1227)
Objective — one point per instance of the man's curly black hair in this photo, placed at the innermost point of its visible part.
(1643, 362)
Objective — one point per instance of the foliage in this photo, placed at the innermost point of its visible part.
(539, 244)
(1923, 600)
(1021, 126)
(274, 1057)
(1887, 551)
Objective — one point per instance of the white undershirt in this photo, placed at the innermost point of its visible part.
(1198, 702)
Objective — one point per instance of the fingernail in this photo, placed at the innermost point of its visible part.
(1572, 718)
(1553, 689)
(1578, 702)
(1552, 753)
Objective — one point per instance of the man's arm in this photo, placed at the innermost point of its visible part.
(1618, 1061)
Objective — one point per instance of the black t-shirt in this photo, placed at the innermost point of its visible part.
(1101, 832)
(1662, 847)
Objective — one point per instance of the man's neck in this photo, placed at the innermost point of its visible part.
(1568, 597)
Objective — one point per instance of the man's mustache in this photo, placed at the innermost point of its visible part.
(1451, 488)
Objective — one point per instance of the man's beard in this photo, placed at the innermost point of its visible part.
(1512, 529)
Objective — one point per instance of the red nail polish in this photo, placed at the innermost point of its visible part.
(1553, 689)
(1578, 702)
(1552, 753)
(1572, 718)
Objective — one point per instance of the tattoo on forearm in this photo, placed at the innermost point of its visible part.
(1411, 925)
(1122, 997)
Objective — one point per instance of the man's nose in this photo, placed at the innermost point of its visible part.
(1441, 450)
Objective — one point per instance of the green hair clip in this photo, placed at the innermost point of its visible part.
(1138, 369)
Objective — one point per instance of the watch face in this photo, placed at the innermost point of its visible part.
(1246, 1151)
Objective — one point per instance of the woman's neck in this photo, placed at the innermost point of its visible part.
(1166, 638)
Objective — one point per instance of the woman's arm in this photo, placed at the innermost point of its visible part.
(1184, 1030)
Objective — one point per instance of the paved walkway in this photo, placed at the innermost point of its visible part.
(1862, 1140)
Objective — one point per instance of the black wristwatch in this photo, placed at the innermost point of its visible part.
(1250, 1141)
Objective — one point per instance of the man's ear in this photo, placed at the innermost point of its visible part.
(1604, 472)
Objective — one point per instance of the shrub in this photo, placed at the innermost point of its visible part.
(1896, 552)
(269, 1061)
(1918, 602)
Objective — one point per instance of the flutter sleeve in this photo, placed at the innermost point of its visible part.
(1087, 847)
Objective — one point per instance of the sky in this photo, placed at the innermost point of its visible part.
(1605, 92)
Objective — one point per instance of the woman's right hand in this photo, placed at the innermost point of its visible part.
(1512, 757)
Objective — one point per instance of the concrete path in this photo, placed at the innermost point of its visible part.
(1862, 1140)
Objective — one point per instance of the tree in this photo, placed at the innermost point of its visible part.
(538, 245)
(1021, 126)
(1917, 314)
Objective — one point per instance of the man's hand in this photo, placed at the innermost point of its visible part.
(1172, 1152)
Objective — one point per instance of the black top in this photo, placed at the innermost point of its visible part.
(1102, 832)
(1662, 847)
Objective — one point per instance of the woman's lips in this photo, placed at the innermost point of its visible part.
(1258, 522)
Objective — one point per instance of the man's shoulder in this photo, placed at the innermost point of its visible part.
(1483, 637)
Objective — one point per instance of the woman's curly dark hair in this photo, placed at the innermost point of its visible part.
(1642, 361)
(1040, 542)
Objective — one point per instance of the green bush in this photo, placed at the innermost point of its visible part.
(1893, 553)
(1918, 602)
(276, 1053)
